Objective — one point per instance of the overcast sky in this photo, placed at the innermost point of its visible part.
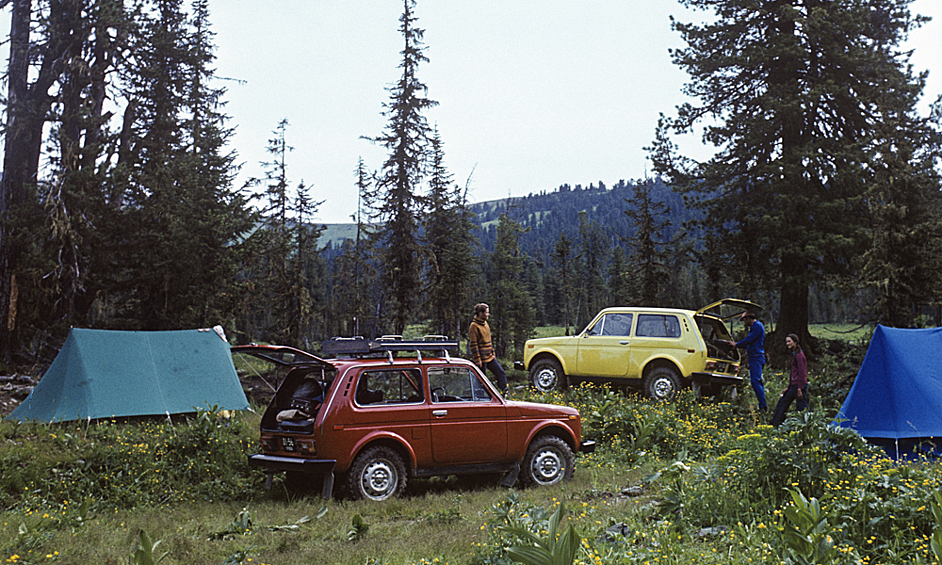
(532, 94)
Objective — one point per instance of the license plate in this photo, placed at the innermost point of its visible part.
(288, 444)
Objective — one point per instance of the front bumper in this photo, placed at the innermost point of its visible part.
(518, 365)
(272, 464)
(720, 379)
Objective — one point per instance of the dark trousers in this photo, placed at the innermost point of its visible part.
(785, 401)
(755, 378)
(494, 367)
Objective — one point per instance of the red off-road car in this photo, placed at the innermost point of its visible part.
(379, 412)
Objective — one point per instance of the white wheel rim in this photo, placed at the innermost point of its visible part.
(379, 479)
(545, 379)
(547, 466)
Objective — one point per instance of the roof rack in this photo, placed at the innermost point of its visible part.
(359, 346)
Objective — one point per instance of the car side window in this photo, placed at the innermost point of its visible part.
(657, 325)
(391, 386)
(456, 384)
(612, 324)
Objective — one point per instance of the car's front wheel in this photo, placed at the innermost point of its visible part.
(548, 461)
(662, 384)
(378, 473)
(547, 375)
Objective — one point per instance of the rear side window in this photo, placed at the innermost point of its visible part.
(392, 386)
(657, 325)
(456, 384)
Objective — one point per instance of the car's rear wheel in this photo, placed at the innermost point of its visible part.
(378, 473)
(547, 375)
(548, 461)
(662, 384)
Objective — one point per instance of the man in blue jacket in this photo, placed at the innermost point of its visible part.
(754, 342)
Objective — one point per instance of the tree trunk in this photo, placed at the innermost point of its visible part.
(15, 172)
(793, 307)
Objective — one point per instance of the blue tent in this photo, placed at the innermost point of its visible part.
(104, 374)
(896, 400)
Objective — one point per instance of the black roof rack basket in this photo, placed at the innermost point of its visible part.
(359, 346)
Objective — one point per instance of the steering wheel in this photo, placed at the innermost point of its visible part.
(435, 396)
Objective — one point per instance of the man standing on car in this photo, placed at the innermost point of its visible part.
(754, 342)
(482, 350)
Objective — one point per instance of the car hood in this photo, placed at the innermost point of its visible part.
(537, 409)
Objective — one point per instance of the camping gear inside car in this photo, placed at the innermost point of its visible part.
(896, 399)
(108, 373)
(384, 410)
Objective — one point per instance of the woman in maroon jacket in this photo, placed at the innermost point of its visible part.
(797, 382)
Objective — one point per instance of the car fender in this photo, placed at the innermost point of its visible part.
(558, 428)
(379, 437)
(549, 353)
(661, 360)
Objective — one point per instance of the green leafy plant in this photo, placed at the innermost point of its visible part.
(243, 524)
(553, 549)
(807, 534)
(144, 555)
(935, 542)
(358, 528)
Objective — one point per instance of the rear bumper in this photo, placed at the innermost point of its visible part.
(715, 379)
(518, 365)
(272, 463)
(587, 447)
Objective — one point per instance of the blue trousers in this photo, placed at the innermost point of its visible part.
(494, 367)
(785, 401)
(755, 377)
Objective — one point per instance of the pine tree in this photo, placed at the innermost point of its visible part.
(512, 317)
(798, 90)
(448, 245)
(649, 254)
(406, 139)
(563, 261)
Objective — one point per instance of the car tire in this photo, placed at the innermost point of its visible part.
(547, 375)
(549, 460)
(377, 474)
(662, 384)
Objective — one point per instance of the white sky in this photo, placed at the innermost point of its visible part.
(532, 93)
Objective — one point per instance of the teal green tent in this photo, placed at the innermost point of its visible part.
(104, 374)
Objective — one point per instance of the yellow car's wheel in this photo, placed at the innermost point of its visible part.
(662, 384)
(547, 375)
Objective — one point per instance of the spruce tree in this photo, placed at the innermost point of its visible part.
(797, 91)
(649, 248)
(398, 198)
(512, 312)
(448, 245)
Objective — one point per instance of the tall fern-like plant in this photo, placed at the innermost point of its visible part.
(554, 549)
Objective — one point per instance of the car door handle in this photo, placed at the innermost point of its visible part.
(623, 342)
(439, 413)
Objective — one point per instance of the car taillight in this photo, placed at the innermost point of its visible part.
(711, 365)
(306, 447)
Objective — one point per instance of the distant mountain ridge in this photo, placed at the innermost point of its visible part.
(548, 214)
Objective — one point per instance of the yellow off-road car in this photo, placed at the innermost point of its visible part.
(662, 350)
